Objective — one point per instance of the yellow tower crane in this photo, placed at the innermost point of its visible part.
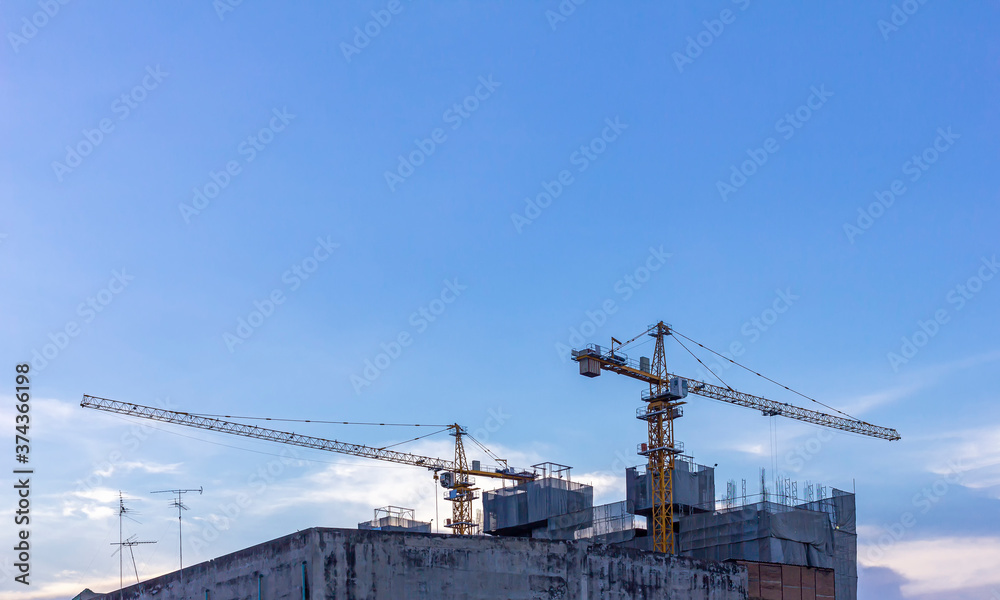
(455, 475)
(664, 400)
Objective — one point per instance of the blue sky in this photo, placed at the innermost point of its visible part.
(511, 170)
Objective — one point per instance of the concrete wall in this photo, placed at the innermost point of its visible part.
(373, 565)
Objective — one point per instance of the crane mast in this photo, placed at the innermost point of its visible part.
(662, 408)
(663, 405)
(459, 478)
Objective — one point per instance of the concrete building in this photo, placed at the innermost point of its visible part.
(349, 564)
(769, 527)
(546, 539)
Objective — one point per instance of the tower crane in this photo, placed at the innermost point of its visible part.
(455, 475)
(664, 404)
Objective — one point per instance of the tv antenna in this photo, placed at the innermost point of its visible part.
(122, 543)
(180, 507)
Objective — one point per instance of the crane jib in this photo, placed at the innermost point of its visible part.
(285, 437)
(252, 431)
(768, 407)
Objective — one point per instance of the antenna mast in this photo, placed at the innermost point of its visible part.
(131, 541)
(180, 507)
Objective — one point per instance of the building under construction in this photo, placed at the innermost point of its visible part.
(818, 531)
(545, 539)
(541, 536)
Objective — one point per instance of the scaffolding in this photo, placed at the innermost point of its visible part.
(693, 488)
(396, 518)
(525, 509)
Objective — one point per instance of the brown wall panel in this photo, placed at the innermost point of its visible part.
(791, 582)
(770, 581)
(808, 584)
(753, 576)
(825, 588)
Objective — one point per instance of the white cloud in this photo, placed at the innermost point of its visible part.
(756, 450)
(915, 382)
(940, 565)
(863, 403)
(974, 454)
(108, 469)
(608, 487)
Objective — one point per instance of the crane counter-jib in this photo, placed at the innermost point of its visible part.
(262, 433)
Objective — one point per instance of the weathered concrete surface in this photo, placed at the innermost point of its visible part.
(348, 564)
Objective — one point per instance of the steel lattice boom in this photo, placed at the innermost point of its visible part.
(770, 407)
(624, 366)
(261, 433)
(284, 437)
(461, 484)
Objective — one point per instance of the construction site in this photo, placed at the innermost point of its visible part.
(674, 534)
